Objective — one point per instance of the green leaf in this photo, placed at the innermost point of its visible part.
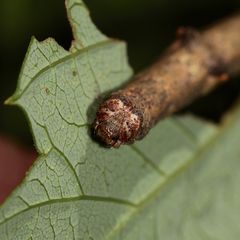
(180, 182)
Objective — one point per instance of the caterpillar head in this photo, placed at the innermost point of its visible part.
(116, 123)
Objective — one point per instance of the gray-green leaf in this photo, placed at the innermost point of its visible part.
(180, 182)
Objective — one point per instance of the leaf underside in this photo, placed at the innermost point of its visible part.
(180, 182)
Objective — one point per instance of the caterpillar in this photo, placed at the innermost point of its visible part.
(192, 66)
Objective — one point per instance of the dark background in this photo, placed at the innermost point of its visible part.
(148, 26)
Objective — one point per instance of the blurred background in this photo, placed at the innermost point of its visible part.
(148, 26)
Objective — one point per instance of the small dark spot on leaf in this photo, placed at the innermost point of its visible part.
(47, 91)
(74, 73)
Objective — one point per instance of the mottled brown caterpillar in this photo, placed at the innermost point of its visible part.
(191, 67)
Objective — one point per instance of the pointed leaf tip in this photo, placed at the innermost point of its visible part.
(84, 31)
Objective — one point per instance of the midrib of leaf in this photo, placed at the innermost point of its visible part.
(225, 125)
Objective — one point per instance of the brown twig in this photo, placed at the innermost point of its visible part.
(193, 65)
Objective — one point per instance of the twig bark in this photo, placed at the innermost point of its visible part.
(192, 66)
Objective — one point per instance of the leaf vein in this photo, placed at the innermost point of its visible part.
(73, 199)
(61, 60)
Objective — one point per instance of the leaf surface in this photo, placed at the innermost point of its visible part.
(180, 182)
